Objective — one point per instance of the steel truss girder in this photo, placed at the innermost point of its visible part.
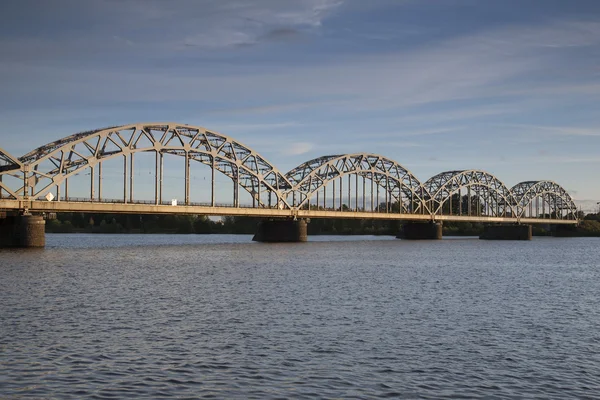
(48, 166)
(402, 186)
(552, 193)
(495, 195)
(74, 153)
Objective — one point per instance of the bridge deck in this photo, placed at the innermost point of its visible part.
(144, 208)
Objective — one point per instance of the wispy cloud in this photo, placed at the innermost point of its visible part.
(559, 130)
(250, 127)
(235, 24)
(484, 65)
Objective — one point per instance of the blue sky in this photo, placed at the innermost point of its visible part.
(509, 87)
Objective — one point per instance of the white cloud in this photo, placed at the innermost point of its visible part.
(297, 148)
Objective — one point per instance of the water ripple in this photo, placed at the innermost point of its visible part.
(111, 317)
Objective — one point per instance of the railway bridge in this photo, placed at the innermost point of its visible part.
(171, 168)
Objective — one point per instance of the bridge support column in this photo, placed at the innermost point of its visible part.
(22, 231)
(281, 230)
(506, 232)
(421, 231)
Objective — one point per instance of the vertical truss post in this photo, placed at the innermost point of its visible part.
(156, 172)
(92, 183)
(100, 181)
(450, 204)
(459, 201)
(349, 187)
(333, 200)
(317, 201)
(125, 176)
(66, 189)
(161, 173)
(388, 197)
(237, 186)
(259, 192)
(187, 178)
(377, 207)
(253, 192)
(356, 193)
(212, 183)
(324, 197)
(364, 195)
(131, 159)
(26, 182)
(341, 192)
(469, 199)
(372, 190)
(57, 191)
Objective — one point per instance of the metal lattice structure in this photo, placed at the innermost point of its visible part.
(9, 167)
(342, 185)
(545, 198)
(49, 166)
(8, 162)
(492, 197)
(398, 184)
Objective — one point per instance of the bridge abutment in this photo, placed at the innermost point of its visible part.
(421, 231)
(281, 230)
(506, 232)
(22, 231)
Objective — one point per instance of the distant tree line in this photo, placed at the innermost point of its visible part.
(186, 224)
(135, 223)
(201, 224)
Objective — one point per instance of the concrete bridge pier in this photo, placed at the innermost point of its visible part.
(506, 232)
(22, 231)
(421, 231)
(281, 230)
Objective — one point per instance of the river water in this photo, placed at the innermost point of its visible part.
(178, 316)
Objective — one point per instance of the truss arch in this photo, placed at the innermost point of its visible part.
(399, 184)
(554, 200)
(485, 194)
(50, 165)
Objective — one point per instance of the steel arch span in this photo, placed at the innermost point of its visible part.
(553, 199)
(485, 194)
(338, 183)
(47, 167)
(398, 184)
